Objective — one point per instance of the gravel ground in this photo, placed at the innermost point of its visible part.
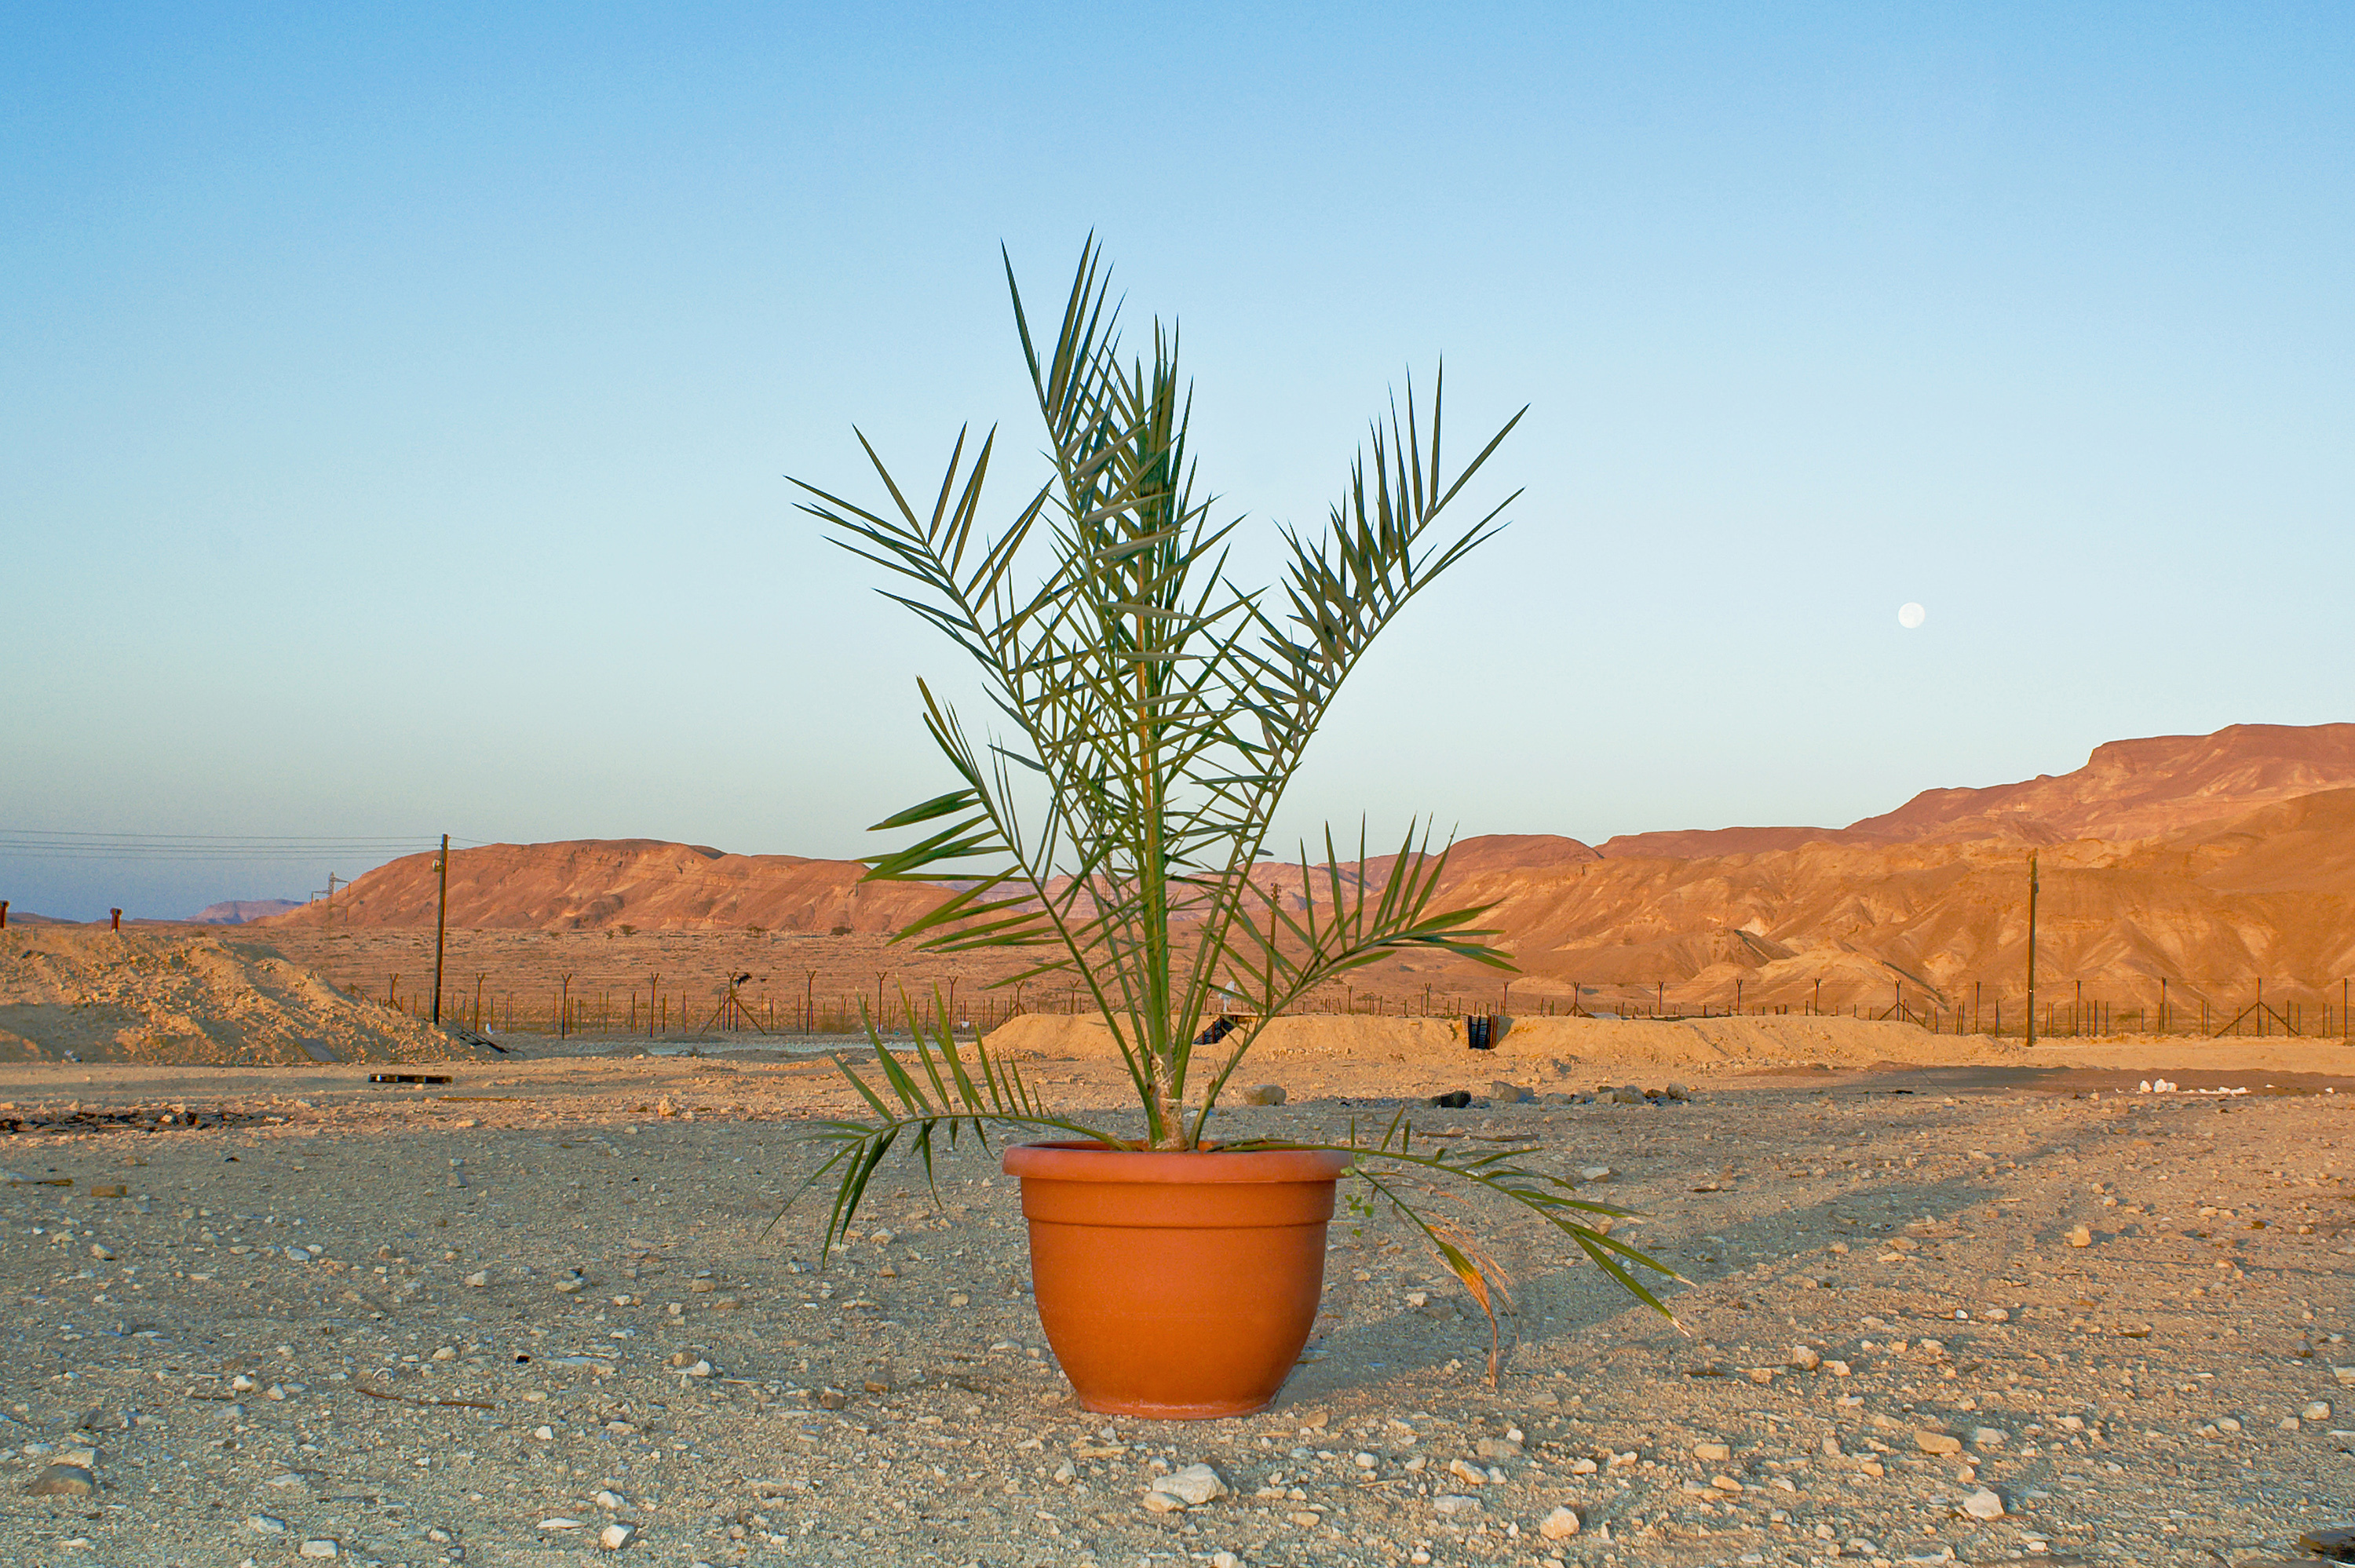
(489, 1321)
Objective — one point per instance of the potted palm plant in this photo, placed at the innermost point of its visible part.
(1154, 712)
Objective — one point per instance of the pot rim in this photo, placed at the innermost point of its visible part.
(1090, 1162)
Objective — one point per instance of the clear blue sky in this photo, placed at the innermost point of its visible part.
(394, 402)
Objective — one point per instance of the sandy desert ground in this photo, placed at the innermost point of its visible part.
(489, 1320)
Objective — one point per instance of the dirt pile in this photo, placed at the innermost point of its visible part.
(88, 994)
(1538, 1050)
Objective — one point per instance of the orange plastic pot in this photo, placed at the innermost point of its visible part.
(1178, 1287)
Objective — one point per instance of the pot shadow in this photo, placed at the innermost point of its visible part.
(1576, 1307)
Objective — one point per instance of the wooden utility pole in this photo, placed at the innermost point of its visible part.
(2031, 949)
(441, 924)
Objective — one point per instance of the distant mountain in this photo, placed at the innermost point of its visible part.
(238, 911)
(2208, 861)
(2128, 790)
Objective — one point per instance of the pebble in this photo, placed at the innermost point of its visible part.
(2318, 1410)
(1498, 1448)
(1263, 1094)
(1466, 1474)
(1164, 1502)
(1712, 1453)
(614, 1537)
(2080, 1237)
(1941, 1443)
(609, 1500)
(265, 1524)
(559, 1522)
(1595, 1173)
(479, 1278)
(1225, 1560)
(1805, 1358)
(1506, 1093)
(319, 1547)
(1559, 1525)
(1450, 1504)
(63, 1481)
(1985, 1437)
(1195, 1485)
(104, 1254)
(1983, 1504)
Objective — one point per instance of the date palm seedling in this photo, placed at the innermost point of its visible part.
(1111, 826)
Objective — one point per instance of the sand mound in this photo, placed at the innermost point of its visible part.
(1544, 1047)
(92, 995)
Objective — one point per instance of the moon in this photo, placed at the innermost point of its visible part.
(1910, 616)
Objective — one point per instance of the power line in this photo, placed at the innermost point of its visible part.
(42, 844)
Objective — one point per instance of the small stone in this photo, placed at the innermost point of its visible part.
(613, 1537)
(265, 1524)
(1712, 1453)
(1466, 1473)
(1456, 1099)
(1997, 1315)
(1163, 1502)
(1595, 1173)
(2317, 1410)
(1225, 1560)
(479, 1278)
(1983, 1504)
(1725, 1483)
(959, 1298)
(63, 1481)
(242, 1383)
(110, 1190)
(2228, 1423)
(1506, 1093)
(609, 1500)
(1450, 1505)
(698, 1368)
(1195, 1485)
(319, 1546)
(1805, 1358)
(2080, 1237)
(572, 1284)
(559, 1522)
(1939, 1442)
(1985, 1437)
(1498, 1448)
(1678, 1092)
(1263, 1094)
(545, 1433)
(100, 1251)
(446, 1353)
(1559, 1525)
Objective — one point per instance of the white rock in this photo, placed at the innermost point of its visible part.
(266, 1525)
(321, 1547)
(1983, 1504)
(700, 1368)
(1225, 1560)
(545, 1433)
(609, 1500)
(1196, 1485)
(559, 1523)
(1163, 1502)
(1466, 1474)
(2317, 1410)
(242, 1384)
(1452, 1504)
(1595, 1173)
(1805, 1358)
(1559, 1525)
(613, 1537)
(103, 1253)
(479, 1278)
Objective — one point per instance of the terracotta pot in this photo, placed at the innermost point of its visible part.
(1178, 1287)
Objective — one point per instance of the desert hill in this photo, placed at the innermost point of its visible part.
(2128, 790)
(2210, 862)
